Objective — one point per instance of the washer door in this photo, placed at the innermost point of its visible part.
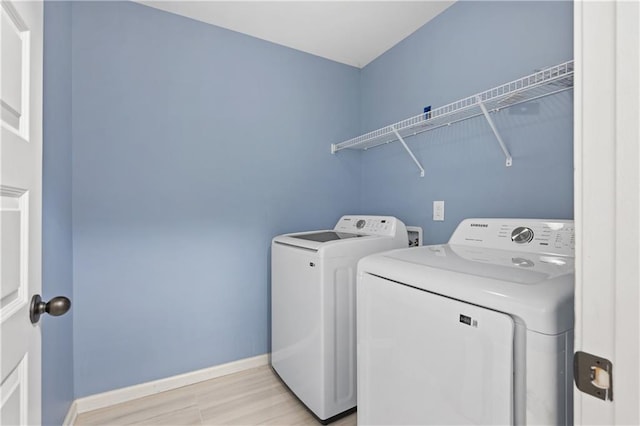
(427, 359)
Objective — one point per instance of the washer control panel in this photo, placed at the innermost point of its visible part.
(527, 235)
(368, 225)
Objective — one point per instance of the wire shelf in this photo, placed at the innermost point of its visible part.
(537, 85)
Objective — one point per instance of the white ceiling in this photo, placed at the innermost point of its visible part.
(350, 32)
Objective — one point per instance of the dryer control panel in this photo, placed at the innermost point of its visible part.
(368, 225)
(525, 235)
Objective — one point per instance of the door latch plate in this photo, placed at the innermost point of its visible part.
(593, 375)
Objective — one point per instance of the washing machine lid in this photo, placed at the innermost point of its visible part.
(514, 267)
(317, 240)
(351, 231)
(325, 236)
(535, 287)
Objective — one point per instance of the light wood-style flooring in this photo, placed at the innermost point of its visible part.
(251, 397)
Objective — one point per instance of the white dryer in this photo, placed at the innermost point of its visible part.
(313, 302)
(476, 331)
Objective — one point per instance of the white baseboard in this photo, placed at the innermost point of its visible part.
(117, 396)
(70, 419)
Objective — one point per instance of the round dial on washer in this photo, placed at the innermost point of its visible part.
(360, 224)
(522, 235)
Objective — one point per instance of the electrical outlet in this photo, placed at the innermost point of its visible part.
(438, 210)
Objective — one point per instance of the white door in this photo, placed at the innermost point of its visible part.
(20, 209)
(607, 202)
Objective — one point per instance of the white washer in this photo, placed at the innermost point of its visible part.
(313, 319)
(476, 331)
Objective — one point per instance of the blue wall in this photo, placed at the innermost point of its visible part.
(469, 48)
(192, 147)
(57, 274)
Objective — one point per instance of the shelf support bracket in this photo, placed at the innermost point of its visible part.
(404, 144)
(509, 160)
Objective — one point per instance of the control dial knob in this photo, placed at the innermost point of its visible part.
(360, 224)
(522, 235)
